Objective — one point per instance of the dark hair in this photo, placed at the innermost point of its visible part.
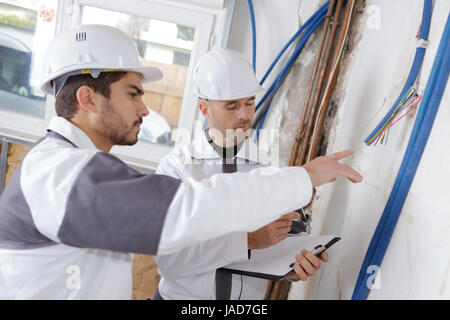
(66, 100)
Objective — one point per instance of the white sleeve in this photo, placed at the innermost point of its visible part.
(171, 165)
(204, 257)
(225, 203)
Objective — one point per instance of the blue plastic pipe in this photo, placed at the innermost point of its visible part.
(322, 9)
(426, 21)
(278, 81)
(319, 15)
(422, 127)
(252, 18)
(417, 65)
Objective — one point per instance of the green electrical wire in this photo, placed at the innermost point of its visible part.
(407, 94)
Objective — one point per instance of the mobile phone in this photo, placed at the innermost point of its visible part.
(317, 251)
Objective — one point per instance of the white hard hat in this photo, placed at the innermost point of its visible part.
(92, 47)
(224, 74)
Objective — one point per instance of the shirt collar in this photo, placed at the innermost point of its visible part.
(201, 149)
(71, 132)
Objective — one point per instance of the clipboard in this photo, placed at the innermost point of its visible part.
(276, 263)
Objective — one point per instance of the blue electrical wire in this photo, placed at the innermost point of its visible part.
(281, 76)
(293, 38)
(252, 17)
(318, 15)
(417, 65)
(318, 18)
(422, 127)
(277, 83)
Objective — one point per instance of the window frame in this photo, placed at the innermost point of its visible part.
(27, 127)
(211, 26)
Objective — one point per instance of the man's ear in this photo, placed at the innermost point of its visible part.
(86, 99)
(203, 106)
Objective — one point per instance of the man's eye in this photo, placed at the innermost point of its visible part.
(231, 107)
(133, 94)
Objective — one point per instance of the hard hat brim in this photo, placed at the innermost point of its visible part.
(257, 91)
(149, 74)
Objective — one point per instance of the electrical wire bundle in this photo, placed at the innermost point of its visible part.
(416, 66)
(409, 102)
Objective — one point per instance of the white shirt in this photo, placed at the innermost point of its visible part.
(190, 273)
(72, 215)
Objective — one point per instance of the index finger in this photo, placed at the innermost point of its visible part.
(323, 256)
(347, 172)
(341, 155)
(315, 261)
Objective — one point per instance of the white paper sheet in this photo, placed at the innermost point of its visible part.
(275, 262)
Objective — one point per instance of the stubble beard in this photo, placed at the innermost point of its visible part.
(117, 130)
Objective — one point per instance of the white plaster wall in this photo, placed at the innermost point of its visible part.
(276, 22)
(417, 262)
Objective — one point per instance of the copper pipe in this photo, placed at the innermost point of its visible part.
(318, 128)
(276, 288)
(326, 60)
(275, 294)
(272, 285)
(295, 145)
(331, 81)
(269, 289)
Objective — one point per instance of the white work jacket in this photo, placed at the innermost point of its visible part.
(71, 216)
(190, 273)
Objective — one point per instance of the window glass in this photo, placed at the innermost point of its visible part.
(26, 28)
(161, 44)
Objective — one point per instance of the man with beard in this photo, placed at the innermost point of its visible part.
(226, 86)
(72, 214)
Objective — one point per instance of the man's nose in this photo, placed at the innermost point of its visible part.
(143, 110)
(243, 113)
